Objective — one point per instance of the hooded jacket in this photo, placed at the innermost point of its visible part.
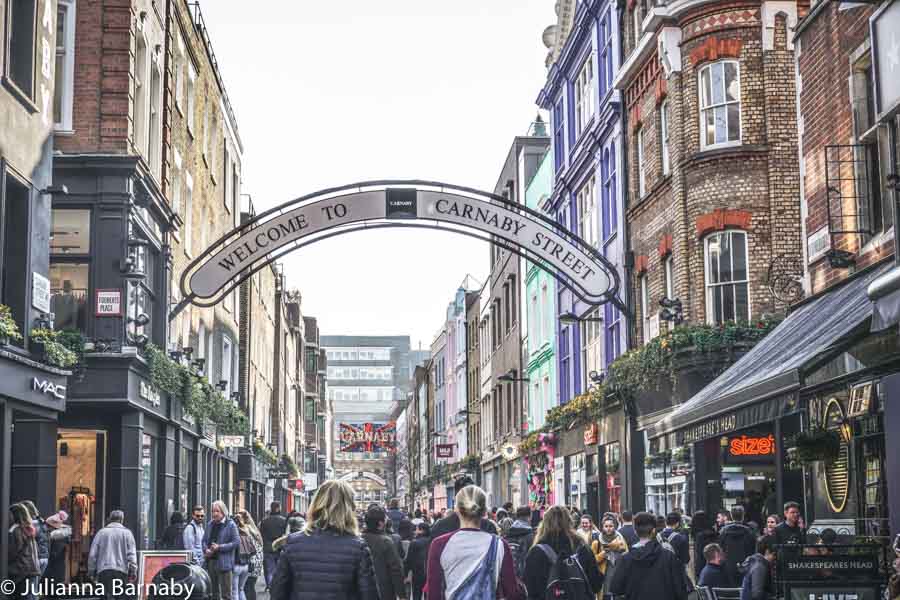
(738, 542)
(649, 571)
(757, 579)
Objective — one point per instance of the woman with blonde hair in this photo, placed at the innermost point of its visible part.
(256, 561)
(334, 561)
(469, 562)
(556, 538)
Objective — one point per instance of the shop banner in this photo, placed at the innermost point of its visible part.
(827, 592)
(368, 437)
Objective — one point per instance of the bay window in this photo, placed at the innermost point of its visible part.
(727, 283)
(720, 104)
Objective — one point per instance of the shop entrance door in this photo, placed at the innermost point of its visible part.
(81, 491)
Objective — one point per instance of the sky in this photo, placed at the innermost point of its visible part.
(334, 92)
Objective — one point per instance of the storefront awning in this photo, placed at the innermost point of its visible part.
(773, 367)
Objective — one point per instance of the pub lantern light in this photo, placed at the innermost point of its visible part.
(222, 385)
(199, 363)
(846, 430)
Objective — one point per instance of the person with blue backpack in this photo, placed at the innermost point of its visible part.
(561, 565)
(471, 564)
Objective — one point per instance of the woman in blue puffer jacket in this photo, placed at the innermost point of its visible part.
(328, 560)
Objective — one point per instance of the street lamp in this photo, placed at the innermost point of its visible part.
(570, 317)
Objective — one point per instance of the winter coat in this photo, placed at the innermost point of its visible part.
(649, 571)
(417, 561)
(22, 561)
(538, 565)
(608, 556)
(387, 564)
(56, 563)
(229, 542)
(395, 515)
(630, 535)
(714, 576)
(757, 579)
(113, 549)
(739, 542)
(324, 565)
(272, 527)
(173, 537)
(42, 538)
(701, 540)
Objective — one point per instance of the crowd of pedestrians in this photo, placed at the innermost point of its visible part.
(472, 552)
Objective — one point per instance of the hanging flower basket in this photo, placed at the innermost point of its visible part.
(9, 330)
(816, 445)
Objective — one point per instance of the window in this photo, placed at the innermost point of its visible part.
(65, 65)
(637, 23)
(154, 150)
(178, 70)
(591, 355)
(21, 25)
(587, 216)
(141, 297)
(645, 306)
(720, 103)
(604, 66)
(188, 213)
(507, 306)
(70, 257)
(175, 189)
(642, 175)
(227, 360)
(610, 206)
(140, 108)
(727, 293)
(564, 365)
(559, 141)
(584, 95)
(664, 135)
(15, 204)
(191, 91)
(612, 346)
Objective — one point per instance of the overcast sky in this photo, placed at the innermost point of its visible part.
(334, 92)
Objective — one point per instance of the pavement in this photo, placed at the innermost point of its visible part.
(261, 593)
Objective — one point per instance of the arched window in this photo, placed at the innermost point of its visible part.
(720, 103)
(727, 279)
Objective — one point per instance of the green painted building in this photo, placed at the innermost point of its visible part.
(540, 297)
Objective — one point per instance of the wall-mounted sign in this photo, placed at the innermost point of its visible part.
(834, 592)
(861, 399)
(232, 441)
(444, 450)
(48, 387)
(108, 303)
(861, 565)
(146, 392)
(752, 446)
(591, 434)
(40, 292)
(837, 472)
(368, 437)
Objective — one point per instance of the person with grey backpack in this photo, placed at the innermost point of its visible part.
(560, 565)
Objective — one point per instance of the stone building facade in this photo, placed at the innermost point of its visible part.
(712, 168)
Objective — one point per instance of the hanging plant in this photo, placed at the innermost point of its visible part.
(46, 343)
(263, 454)
(9, 330)
(657, 460)
(816, 445)
(289, 466)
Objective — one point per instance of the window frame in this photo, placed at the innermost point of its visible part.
(65, 124)
(584, 94)
(64, 258)
(188, 216)
(664, 125)
(191, 97)
(586, 201)
(641, 163)
(26, 94)
(591, 346)
(704, 145)
(669, 276)
(644, 291)
(707, 286)
(141, 101)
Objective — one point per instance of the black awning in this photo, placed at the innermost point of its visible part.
(773, 367)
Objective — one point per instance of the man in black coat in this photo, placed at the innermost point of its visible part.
(738, 542)
(627, 529)
(386, 560)
(713, 574)
(648, 570)
(677, 538)
(272, 527)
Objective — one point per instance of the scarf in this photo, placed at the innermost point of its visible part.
(608, 539)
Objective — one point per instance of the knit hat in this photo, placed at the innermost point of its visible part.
(56, 521)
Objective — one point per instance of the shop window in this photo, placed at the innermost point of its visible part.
(15, 204)
(613, 463)
(720, 104)
(185, 479)
(727, 284)
(20, 31)
(149, 472)
(70, 247)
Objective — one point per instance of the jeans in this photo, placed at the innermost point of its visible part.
(238, 580)
(221, 582)
(270, 561)
(250, 587)
(107, 578)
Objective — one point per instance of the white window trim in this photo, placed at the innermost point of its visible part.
(642, 166)
(188, 213)
(66, 125)
(645, 307)
(669, 275)
(664, 136)
(586, 201)
(584, 94)
(191, 91)
(226, 342)
(727, 143)
(707, 286)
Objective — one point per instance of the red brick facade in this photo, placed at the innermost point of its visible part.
(751, 185)
(833, 44)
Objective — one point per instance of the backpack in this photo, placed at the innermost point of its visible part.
(481, 584)
(567, 579)
(519, 550)
(246, 549)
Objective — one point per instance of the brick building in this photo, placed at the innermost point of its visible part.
(713, 184)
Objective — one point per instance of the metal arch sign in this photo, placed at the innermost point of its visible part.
(245, 250)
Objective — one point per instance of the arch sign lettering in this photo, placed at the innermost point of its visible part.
(336, 211)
